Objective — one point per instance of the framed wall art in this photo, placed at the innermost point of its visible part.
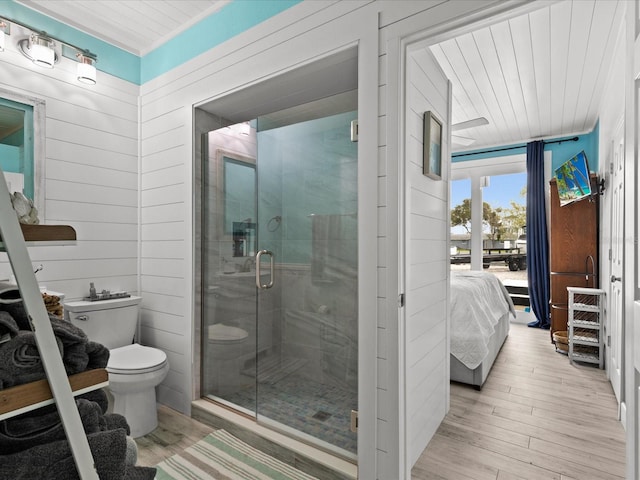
(432, 146)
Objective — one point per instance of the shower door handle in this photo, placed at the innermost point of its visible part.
(259, 283)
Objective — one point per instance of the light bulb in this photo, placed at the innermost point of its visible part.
(42, 53)
(86, 70)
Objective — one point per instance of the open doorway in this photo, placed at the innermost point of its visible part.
(500, 184)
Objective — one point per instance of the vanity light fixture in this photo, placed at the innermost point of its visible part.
(45, 50)
(39, 49)
(86, 69)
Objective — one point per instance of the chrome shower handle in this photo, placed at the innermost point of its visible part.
(259, 283)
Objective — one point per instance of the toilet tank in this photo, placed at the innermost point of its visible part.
(109, 322)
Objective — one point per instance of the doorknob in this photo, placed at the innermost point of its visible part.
(615, 279)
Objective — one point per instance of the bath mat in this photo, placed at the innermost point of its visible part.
(221, 456)
(274, 369)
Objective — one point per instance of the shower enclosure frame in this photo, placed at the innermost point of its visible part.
(294, 363)
(206, 119)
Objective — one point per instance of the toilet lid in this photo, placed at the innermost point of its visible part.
(136, 358)
(226, 333)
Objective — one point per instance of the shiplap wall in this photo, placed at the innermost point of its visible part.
(91, 174)
(611, 114)
(427, 256)
(296, 36)
(293, 37)
(413, 352)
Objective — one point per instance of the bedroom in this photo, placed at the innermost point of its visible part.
(462, 57)
(163, 267)
(519, 87)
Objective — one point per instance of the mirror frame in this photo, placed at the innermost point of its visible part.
(220, 181)
(38, 145)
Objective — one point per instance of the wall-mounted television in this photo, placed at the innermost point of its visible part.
(572, 178)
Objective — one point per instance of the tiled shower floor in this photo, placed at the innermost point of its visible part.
(322, 411)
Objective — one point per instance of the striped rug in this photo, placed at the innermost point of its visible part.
(221, 456)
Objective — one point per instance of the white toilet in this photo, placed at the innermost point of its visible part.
(134, 370)
(229, 349)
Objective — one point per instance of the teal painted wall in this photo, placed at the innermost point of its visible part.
(560, 152)
(232, 19)
(111, 59)
(304, 169)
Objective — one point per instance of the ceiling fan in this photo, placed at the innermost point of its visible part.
(466, 141)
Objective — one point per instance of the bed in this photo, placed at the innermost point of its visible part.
(480, 314)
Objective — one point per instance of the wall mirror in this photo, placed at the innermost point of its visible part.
(237, 196)
(22, 146)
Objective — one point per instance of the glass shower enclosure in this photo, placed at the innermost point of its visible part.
(279, 263)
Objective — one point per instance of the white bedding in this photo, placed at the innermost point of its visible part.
(478, 300)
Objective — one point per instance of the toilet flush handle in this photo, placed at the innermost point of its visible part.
(83, 318)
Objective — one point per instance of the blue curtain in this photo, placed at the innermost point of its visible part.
(537, 236)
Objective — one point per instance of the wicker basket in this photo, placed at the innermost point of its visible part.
(561, 339)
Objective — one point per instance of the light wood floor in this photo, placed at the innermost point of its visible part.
(175, 432)
(537, 417)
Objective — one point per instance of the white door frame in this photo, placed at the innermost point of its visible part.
(629, 278)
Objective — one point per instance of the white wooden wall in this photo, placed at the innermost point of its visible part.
(413, 351)
(427, 256)
(296, 36)
(91, 174)
(611, 110)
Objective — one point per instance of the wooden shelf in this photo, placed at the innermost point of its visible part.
(586, 343)
(30, 396)
(48, 233)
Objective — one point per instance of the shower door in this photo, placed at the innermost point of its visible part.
(307, 291)
(298, 248)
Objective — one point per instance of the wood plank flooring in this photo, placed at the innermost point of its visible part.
(537, 417)
(175, 432)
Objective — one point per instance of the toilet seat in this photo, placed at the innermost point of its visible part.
(135, 359)
(221, 333)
